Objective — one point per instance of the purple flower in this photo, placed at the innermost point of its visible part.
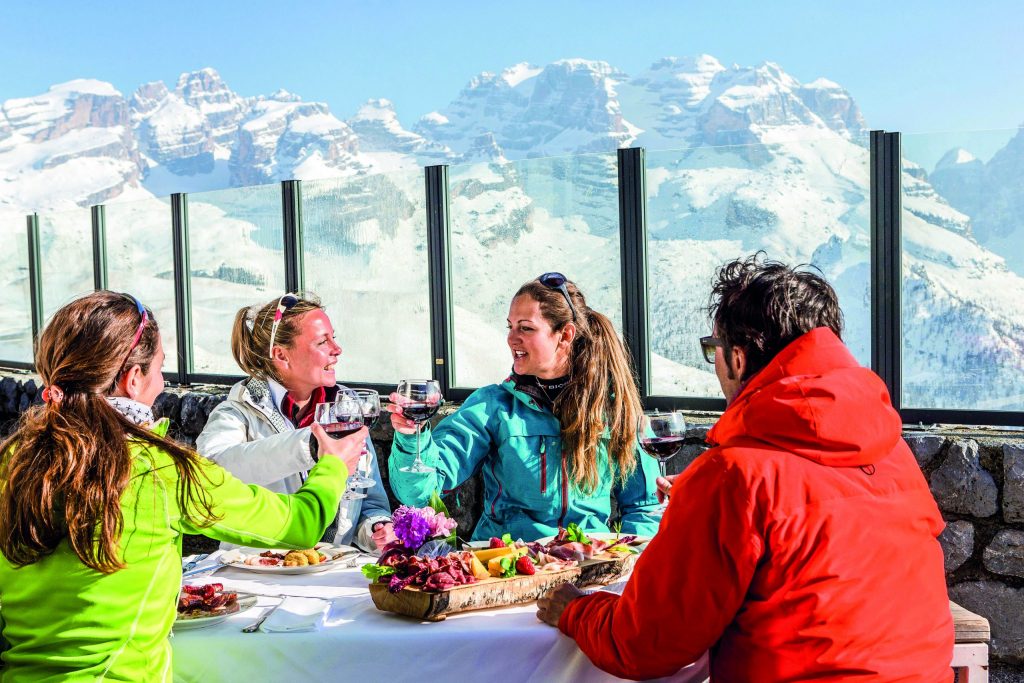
(411, 526)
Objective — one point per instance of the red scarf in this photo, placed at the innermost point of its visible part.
(302, 417)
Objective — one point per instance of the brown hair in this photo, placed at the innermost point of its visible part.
(601, 392)
(68, 462)
(250, 335)
(761, 306)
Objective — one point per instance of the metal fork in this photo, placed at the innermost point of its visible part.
(255, 626)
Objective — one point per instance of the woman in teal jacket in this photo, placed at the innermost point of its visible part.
(94, 501)
(556, 441)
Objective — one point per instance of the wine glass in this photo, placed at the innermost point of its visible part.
(419, 400)
(339, 419)
(661, 436)
(369, 403)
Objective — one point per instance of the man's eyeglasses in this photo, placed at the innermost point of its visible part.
(557, 281)
(707, 345)
(283, 304)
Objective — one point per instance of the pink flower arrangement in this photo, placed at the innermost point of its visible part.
(414, 526)
(441, 526)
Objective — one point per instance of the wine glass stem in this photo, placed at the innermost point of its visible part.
(419, 461)
(662, 466)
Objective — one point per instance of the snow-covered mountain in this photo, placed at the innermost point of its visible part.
(991, 193)
(739, 159)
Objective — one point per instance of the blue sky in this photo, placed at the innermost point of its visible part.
(910, 65)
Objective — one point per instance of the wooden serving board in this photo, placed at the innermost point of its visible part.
(494, 592)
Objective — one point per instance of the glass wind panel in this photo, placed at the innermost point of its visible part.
(510, 223)
(800, 202)
(963, 270)
(140, 261)
(65, 258)
(365, 255)
(236, 257)
(15, 297)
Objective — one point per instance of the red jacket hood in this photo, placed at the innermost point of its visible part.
(813, 399)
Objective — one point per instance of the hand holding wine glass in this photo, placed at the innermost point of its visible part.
(348, 449)
(661, 436)
(414, 402)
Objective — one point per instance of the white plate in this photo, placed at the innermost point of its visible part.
(348, 555)
(477, 545)
(245, 602)
(603, 536)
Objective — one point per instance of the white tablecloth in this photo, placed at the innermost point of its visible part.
(361, 643)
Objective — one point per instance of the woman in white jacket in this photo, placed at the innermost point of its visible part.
(261, 432)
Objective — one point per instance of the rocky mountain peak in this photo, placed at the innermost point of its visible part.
(148, 97)
(956, 158)
(203, 86)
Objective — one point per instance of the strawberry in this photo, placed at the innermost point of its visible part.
(524, 565)
(496, 542)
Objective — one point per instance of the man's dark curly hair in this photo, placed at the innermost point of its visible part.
(761, 306)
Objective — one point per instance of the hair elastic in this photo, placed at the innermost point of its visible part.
(53, 394)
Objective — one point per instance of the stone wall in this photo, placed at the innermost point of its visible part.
(976, 476)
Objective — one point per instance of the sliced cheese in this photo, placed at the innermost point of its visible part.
(489, 554)
(479, 570)
(494, 565)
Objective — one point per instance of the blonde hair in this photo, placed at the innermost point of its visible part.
(602, 390)
(250, 335)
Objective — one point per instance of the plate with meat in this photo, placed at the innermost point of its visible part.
(308, 561)
(201, 606)
(573, 544)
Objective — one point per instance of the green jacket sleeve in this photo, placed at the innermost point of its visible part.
(638, 498)
(456, 447)
(253, 516)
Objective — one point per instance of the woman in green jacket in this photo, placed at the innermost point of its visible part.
(556, 441)
(93, 505)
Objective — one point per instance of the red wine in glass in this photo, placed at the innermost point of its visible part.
(339, 430)
(420, 412)
(660, 435)
(662, 447)
(419, 400)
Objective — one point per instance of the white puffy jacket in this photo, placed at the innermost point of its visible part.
(248, 436)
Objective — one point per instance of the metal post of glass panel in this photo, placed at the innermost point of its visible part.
(886, 246)
(99, 247)
(291, 206)
(182, 289)
(439, 273)
(633, 243)
(35, 278)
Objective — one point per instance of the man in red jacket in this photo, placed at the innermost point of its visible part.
(802, 545)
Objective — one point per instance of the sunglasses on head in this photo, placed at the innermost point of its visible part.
(557, 281)
(143, 321)
(707, 346)
(283, 304)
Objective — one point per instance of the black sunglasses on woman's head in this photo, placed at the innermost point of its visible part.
(557, 281)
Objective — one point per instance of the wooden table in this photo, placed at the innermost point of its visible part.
(970, 649)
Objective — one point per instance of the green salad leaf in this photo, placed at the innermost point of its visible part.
(508, 567)
(574, 533)
(623, 549)
(374, 571)
(437, 505)
(507, 540)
